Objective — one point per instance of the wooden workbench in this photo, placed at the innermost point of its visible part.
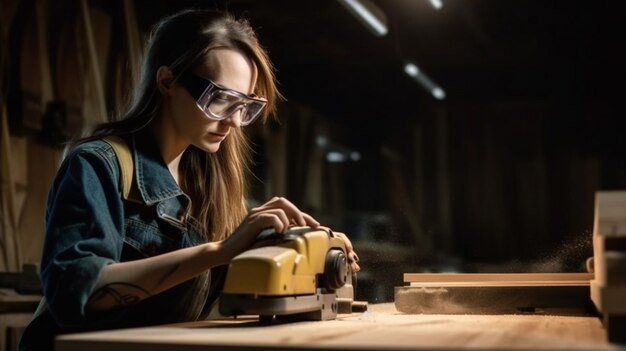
(380, 328)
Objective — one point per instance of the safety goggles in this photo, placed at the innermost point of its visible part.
(218, 102)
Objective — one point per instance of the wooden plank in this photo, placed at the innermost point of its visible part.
(69, 75)
(10, 202)
(30, 74)
(381, 328)
(432, 299)
(41, 9)
(489, 293)
(133, 40)
(500, 283)
(100, 111)
(43, 162)
(124, 69)
(500, 278)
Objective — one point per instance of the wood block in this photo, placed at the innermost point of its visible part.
(608, 289)
(609, 299)
(614, 268)
(609, 263)
(610, 213)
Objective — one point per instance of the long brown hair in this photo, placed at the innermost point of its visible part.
(215, 182)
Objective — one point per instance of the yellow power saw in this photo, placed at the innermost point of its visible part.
(302, 274)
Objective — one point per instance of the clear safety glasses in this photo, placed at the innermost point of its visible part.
(218, 102)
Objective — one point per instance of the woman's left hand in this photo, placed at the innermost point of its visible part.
(352, 256)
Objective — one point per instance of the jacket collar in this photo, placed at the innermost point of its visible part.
(154, 180)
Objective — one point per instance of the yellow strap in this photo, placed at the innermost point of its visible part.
(125, 159)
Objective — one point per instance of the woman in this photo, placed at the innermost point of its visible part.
(111, 261)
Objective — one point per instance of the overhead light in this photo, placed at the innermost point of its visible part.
(338, 156)
(370, 14)
(321, 140)
(335, 152)
(437, 4)
(414, 72)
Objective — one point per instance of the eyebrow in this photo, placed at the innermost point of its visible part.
(197, 85)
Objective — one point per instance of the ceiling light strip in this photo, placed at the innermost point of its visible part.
(370, 14)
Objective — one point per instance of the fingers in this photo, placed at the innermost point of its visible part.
(355, 267)
(292, 213)
(279, 213)
(353, 258)
(290, 209)
(345, 239)
(310, 221)
(271, 218)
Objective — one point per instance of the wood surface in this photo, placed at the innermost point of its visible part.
(380, 328)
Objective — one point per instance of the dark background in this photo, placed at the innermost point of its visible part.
(500, 176)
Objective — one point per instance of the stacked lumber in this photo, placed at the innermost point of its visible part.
(608, 289)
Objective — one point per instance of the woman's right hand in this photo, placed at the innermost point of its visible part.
(278, 214)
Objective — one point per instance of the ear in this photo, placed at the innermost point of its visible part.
(165, 79)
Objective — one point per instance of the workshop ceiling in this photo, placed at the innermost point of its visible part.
(476, 50)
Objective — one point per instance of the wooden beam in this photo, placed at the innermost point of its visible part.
(95, 66)
(477, 279)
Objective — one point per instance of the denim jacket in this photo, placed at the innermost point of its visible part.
(89, 225)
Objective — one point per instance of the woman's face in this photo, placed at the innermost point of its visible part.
(231, 70)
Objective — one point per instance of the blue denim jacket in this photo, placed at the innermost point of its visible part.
(89, 225)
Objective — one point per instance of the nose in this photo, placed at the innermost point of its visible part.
(234, 120)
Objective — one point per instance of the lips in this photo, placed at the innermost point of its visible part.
(216, 137)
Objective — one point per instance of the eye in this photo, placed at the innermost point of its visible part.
(223, 97)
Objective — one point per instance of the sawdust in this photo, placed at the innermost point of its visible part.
(428, 301)
(568, 256)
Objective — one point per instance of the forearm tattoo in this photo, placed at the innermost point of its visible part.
(123, 294)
